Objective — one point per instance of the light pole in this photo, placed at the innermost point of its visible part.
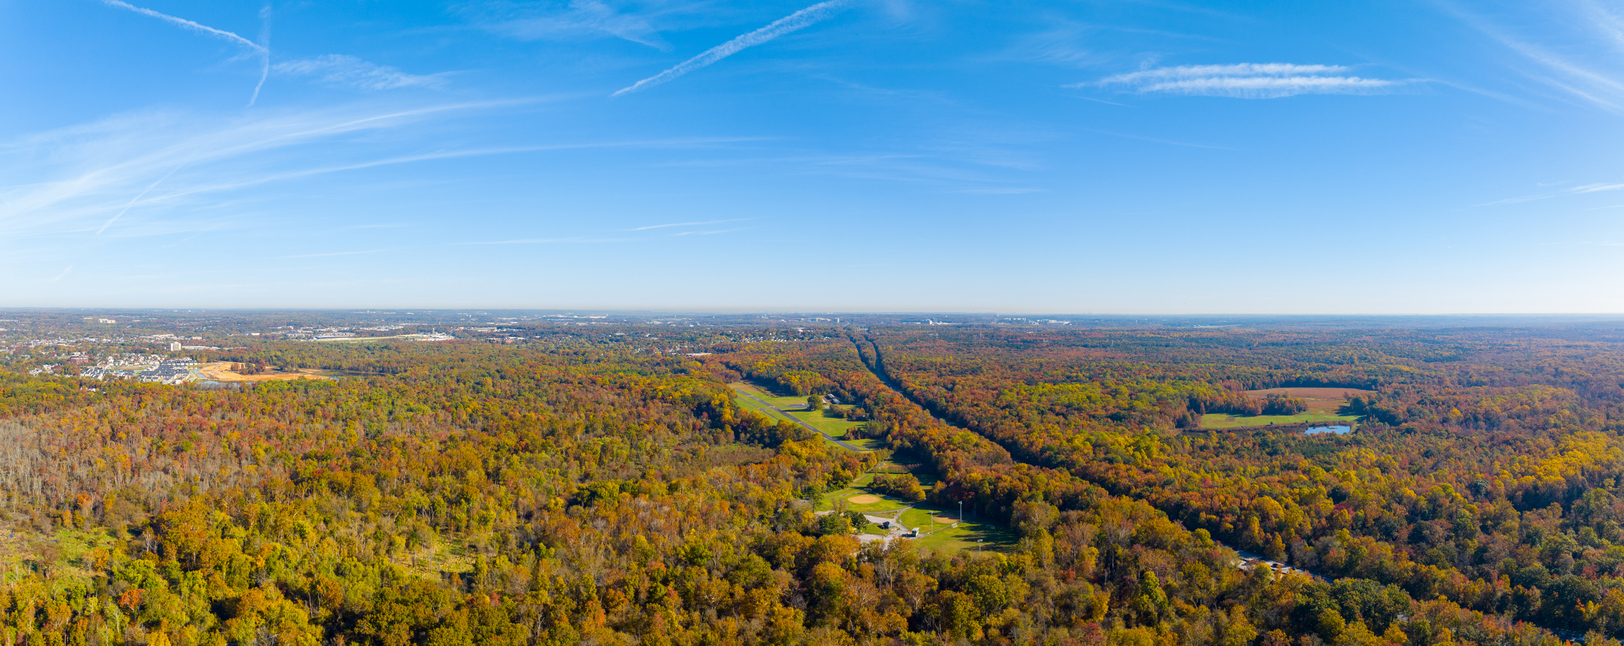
(961, 511)
(978, 547)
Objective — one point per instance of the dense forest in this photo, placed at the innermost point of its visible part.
(593, 487)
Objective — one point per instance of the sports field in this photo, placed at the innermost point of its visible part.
(941, 530)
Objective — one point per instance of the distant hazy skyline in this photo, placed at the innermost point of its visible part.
(880, 155)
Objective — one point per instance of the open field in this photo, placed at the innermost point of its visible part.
(941, 536)
(832, 426)
(1224, 420)
(753, 406)
(222, 371)
(781, 402)
(944, 537)
(1323, 401)
(843, 497)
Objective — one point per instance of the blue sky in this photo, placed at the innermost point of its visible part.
(1087, 157)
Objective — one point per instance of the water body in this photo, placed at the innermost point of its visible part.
(1339, 430)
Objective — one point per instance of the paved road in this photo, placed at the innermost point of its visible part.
(809, 427)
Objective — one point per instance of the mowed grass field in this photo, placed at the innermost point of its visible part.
(750, 403)
(942, 536)
(1322, 406)
(775, 400)
(945, 537)
(836, 427)
(832, 426)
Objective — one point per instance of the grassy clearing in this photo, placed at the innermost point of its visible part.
(72, 553)
(828, 501)
(943, 537)
(775, 400)
(439, 555)
(1324, 401)
(833, 426)
(755, 406)
(1223, 420)
(947, 538)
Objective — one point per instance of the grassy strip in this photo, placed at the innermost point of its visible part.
(834, 426)
(810, 418)
(775, 400)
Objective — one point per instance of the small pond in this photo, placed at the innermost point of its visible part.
(1339, 430)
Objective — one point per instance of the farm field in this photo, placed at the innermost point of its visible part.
(1320, 400)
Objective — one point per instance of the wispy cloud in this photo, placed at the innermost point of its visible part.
(264, 51)
(583, 18)
(1601, 187)
(1248, 80)
(57, 180)
(1583, 66)
(348, 71)
(137, 198)
(187, 24)
(788, 24)
(568, 240)
(62, 275)
(262, 48)
(229, 183)
(708, 233)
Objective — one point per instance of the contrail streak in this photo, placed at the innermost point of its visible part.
(264, 52)
(137, 199)
(791, 23)
(187, 24)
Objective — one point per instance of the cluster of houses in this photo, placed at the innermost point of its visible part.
(173, 371)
